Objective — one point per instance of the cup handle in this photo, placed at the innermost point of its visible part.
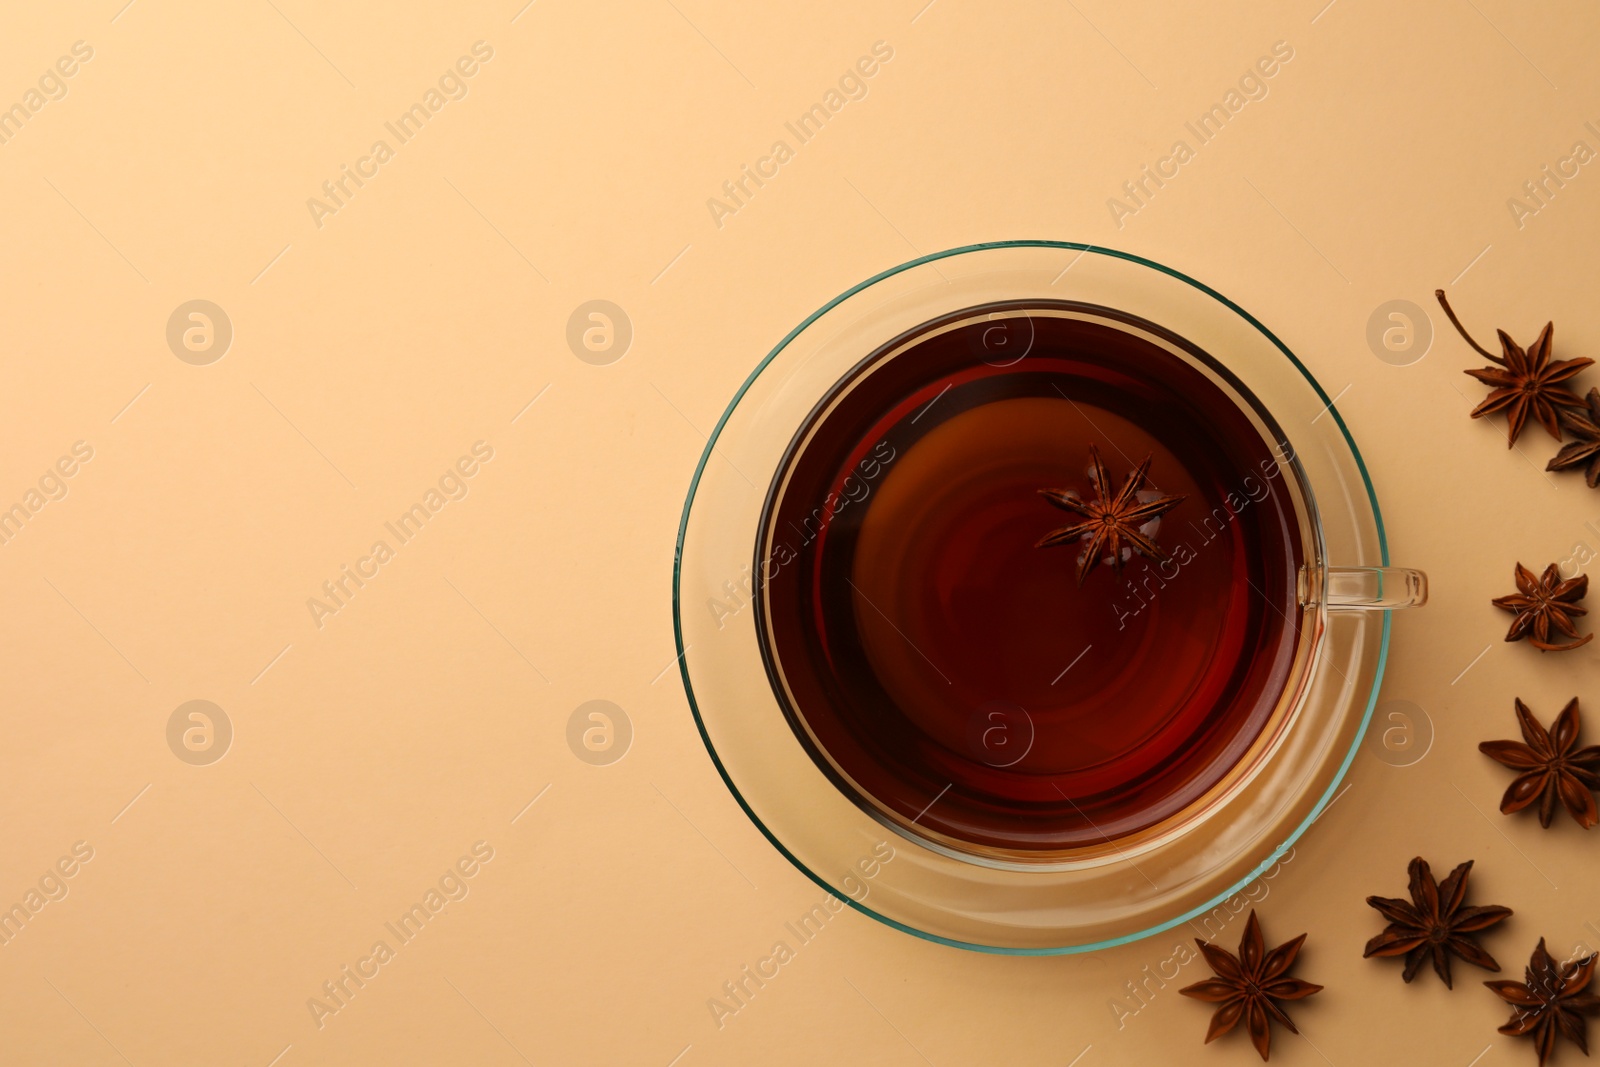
(1369, 588)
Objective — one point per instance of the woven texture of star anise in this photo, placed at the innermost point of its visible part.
(1553, 768)
(1546, 603)
(1523, 382)
(1552, 1003)
(1249, 986)
(1436, 923)
(1112, 522)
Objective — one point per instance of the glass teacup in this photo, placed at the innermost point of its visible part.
(887, 720)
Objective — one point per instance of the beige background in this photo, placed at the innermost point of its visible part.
(372, 752)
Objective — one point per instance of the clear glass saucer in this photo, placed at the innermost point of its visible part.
(1126, 890)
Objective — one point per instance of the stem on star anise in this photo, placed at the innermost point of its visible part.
(1462, 330)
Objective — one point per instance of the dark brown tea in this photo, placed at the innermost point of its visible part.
(948, 673)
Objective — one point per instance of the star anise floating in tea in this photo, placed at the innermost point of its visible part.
(1543, 603)
(1435, 924)
(1552, 1003)
(1584, 448)
(1553, 767)
(1249, 986)
(1525, 382)
(1112, 522)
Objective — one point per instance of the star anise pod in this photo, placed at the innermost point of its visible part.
(1584, 449)
(1553, 767)
(1248, 986)
(1435, 923)
(1111, 522)
(1552, 1003)
(1525, 382)
(1544, 602)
